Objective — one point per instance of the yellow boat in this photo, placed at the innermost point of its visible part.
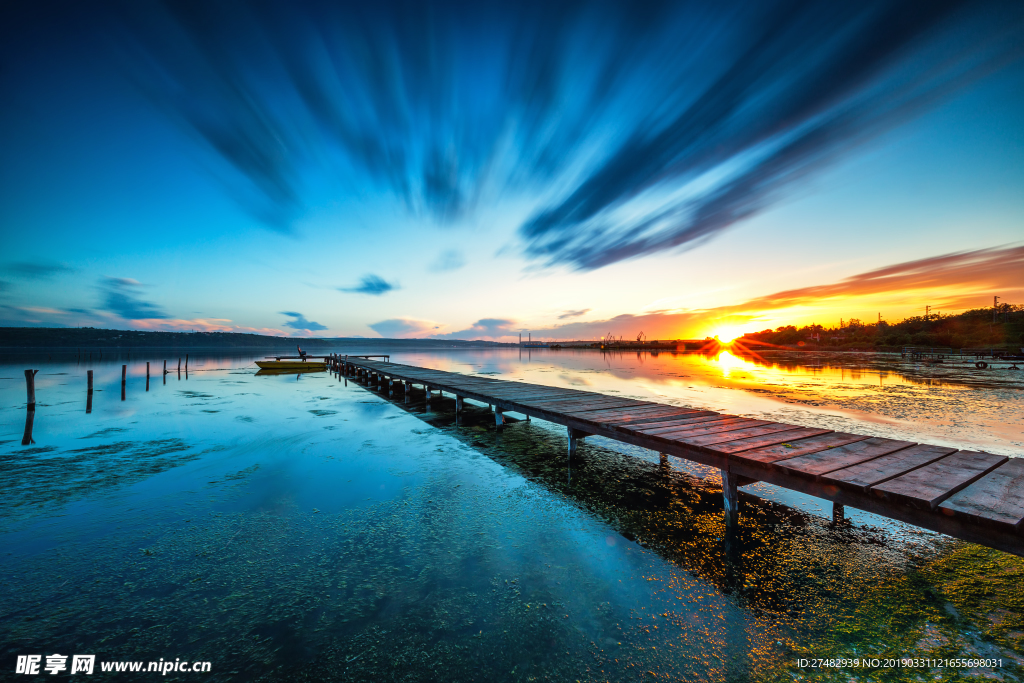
(309, 365)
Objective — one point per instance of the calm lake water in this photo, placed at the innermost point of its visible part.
(298, 527)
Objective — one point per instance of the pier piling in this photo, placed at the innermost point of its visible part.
(124, 374)
(147, 375)
(30, 385)
(88, 396)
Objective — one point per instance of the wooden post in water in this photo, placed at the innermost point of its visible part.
(499, 417)
(88, 398)
(30, 385)
(124, 372)
(179, 365)
(165, 367)
(30, 418)
(147, 375)
(426, 388)
(186, 364)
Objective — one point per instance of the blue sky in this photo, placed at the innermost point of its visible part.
(447, 169)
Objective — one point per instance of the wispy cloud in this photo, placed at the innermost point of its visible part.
(400, 328)
(452, 259)
(299, 322)
(120, 296)
(373, 285)
(574, 314)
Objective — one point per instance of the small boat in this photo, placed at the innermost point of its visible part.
(307, 365)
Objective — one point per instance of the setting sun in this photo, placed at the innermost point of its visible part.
(727, 334)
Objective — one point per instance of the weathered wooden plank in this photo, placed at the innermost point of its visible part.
(792, 448)
(675, 424)
(732, 435)
(820, 462)
(996, 500)
(699, 425)
(665, 420)
(753, 442)
(580, 405)
(649, 412)
(867, 474)
(928, 486)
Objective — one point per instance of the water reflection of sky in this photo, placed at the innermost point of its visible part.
(296, 523)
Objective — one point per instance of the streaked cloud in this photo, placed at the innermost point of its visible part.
(492, 329)
(36, 270)
(633, 128)
(449, 260)
(954, 281)
(120, 296)
(574, 314)
(299, 322)
(400, 328)
(373, 285)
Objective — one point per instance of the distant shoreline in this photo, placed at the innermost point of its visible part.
(73, 338)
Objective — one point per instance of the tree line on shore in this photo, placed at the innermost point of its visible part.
(999, 327)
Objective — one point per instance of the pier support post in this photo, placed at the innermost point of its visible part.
(380, 378)
(838, 514)
(575, 436)
(124, 372)
(426, 388)
(88, 396)
(408, 392)
(731, 498)
(499, 417)
(458, 405)
(147, 375)
(30, 386)
(391, 387)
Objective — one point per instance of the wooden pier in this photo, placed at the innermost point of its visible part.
(971, 495)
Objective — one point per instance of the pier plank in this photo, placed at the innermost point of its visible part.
(867, 474)
(928, 486)
(733, 435)
(686, 425)
(664, 420)
(711, 427)
(815, 464)
(997, 499)
(794, 447)
(753, 442)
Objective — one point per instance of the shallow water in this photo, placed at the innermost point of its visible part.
(300, 527)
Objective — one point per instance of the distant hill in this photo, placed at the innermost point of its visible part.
(88, 337)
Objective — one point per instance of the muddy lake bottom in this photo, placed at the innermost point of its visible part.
(305, 528)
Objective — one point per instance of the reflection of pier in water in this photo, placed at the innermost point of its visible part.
(974, 496)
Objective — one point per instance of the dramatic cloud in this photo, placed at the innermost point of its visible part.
(371, 284)
(120, 297)
(31, 270)
(632, 127)
(399, 328)
(448, 260)
(299, 322)
(573, 314)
